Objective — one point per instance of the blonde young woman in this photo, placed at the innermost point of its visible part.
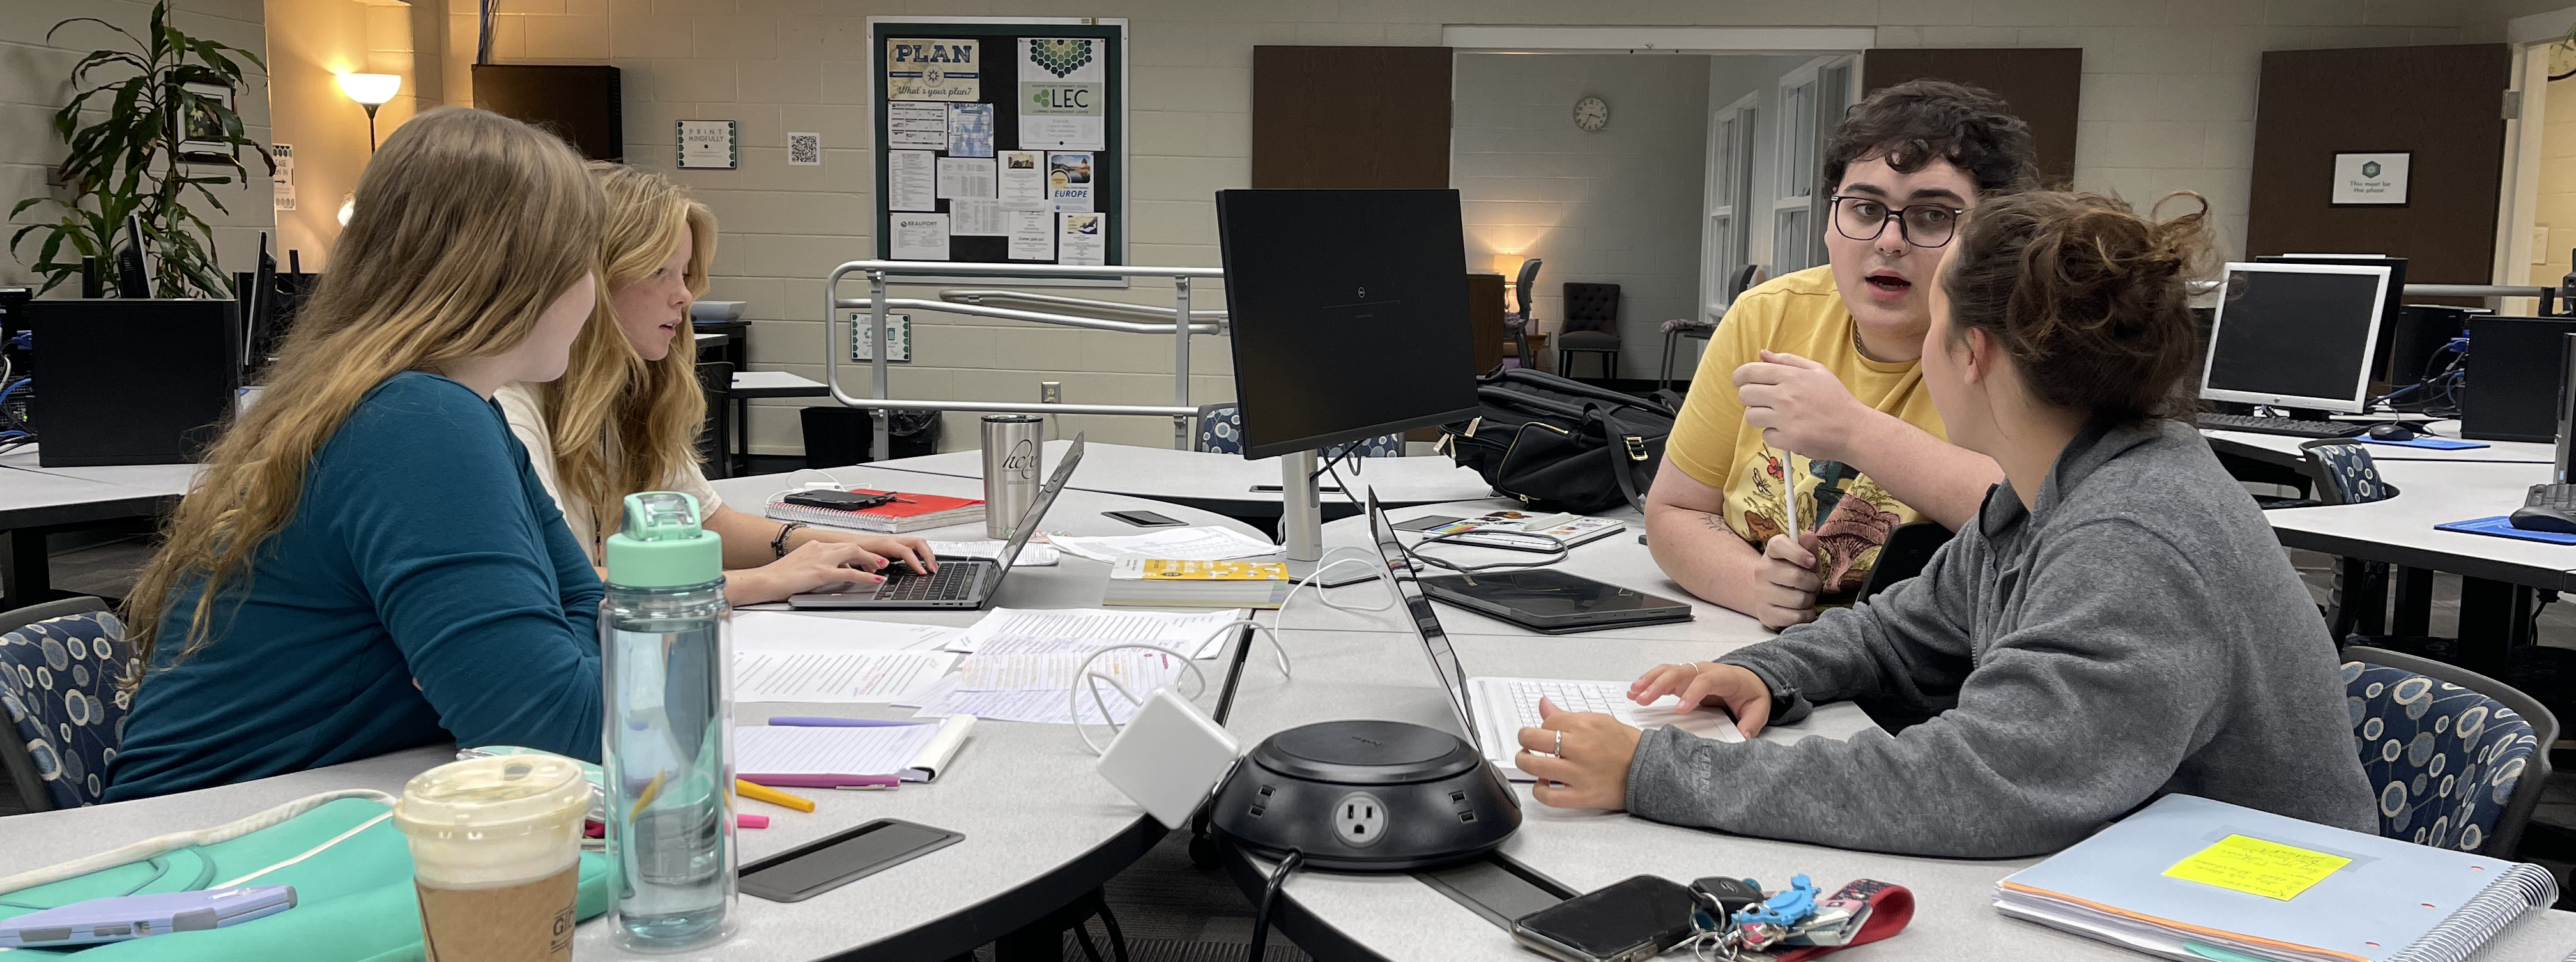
(367, 563)
(625, 417)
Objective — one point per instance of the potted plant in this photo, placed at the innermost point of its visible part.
(164, 129)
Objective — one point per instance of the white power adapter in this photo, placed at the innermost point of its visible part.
(1169, 757)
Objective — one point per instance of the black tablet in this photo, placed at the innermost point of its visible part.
(1552, 602)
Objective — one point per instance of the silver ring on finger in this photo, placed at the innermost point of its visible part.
(1560, 745)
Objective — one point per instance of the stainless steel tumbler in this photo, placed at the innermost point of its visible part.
(1011, 455)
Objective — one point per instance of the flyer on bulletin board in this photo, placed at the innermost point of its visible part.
(1069, 181)
(1083, 239)
(912, 180)
(1032, 227)
(976, 217)
(965, 177)
(933, 70)
(1024, 175)
(1063, 93)
(919, 237)
(970, 130)
(917, 125)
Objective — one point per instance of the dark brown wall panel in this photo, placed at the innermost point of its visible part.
(1350, 117)
(2043, 85)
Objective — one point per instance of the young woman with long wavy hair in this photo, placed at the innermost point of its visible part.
(366, 562)
(624, 417)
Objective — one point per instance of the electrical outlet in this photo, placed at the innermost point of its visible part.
(1359, 820)
(1050, 392)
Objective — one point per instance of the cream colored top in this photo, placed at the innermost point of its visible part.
(528, 420)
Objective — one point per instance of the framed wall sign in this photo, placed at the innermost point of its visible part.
(2373, 179)
(708, 145)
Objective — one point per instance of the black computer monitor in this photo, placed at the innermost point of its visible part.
(1349, 314)
(2296, 335)
(132, 380)
(2515, 367)
(2381, 350)
(2566, 410)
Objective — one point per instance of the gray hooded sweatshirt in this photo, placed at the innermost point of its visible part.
(2139, 633)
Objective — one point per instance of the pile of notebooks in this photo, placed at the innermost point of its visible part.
(2194, 879)
(909, 512)
(1172, 583)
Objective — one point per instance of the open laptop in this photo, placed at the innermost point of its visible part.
(1493, 710)
(959, 582)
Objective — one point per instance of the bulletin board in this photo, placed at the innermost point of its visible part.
(1000, 140)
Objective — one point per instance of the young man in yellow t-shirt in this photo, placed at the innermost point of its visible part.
(1812, 381)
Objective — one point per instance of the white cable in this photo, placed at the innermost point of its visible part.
(164, 844)
(310, 852)
(1084, 678)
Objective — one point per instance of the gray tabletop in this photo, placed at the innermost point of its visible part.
(1222, 481)
(2284, 450)
(150, 479)
(1358, 674)
(2399, 530)
(31, 496)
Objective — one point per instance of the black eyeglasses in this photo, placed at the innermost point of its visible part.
(1922, 225)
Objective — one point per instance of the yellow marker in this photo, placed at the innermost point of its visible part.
(2258, 867)
(771, 795)
(652, 789)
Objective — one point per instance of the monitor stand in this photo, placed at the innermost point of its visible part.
(1301, 513)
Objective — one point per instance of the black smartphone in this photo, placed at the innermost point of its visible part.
(830, 862)
(1143, 519)
(837, 500)
(1626, 921)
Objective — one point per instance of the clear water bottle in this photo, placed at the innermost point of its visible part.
(666, 650)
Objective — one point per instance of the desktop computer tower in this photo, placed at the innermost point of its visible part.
(2422, 331)
(2516, 366)
(140, 381)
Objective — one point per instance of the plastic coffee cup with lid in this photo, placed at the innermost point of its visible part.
(496, 856)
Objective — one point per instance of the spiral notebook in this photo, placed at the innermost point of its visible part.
(2194, 879)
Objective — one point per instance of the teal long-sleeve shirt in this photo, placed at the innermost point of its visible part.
(423, 549)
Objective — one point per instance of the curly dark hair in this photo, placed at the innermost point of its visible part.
(1916, 122)
(2091, 300)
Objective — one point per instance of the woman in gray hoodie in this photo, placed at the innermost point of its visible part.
(2117, 622)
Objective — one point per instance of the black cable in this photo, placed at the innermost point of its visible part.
(1270, 893)
(1554, 555)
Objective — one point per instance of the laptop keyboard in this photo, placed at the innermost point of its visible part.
(1607, 697)
(950, 583)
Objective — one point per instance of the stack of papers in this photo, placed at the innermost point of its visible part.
(804, 658)
(1187, 544)
(829, 755)
(1024, 662)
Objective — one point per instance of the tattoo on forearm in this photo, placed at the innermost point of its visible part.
(1711, 521)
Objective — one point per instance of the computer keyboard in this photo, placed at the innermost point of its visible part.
(2549, 507)
(949, 583)
(1605, 697)
(2290, 427)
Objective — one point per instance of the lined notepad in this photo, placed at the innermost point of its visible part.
(914, 753)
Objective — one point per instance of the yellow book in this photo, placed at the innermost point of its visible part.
(1169, 569)
(1172, 583)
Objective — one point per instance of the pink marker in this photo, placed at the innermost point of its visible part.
(751, 821)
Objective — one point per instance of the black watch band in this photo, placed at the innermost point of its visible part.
(778, 545)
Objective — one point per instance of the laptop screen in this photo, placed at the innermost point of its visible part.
(1426, 624)
(1037, 509)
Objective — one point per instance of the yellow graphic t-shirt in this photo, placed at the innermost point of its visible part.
(1801, 314)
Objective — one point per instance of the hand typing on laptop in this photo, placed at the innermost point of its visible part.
(1581, 759)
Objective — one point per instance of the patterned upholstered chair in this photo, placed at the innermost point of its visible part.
(1591, 325)
(59, 666)
(2458, 759)
(2344, 474)
(1221, 432)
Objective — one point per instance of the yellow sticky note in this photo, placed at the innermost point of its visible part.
(2268, 869)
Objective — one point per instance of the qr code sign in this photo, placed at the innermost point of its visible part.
(804, 150)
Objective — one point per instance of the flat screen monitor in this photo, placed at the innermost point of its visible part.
(1349, 314)
(2388, 303)
(2515, 367)
(2297, 335)
(2566, 409)
(132, 381)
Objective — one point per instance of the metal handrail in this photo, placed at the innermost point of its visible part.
(1180, 410)
(980, 295)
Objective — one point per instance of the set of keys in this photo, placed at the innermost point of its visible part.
(1737, 923)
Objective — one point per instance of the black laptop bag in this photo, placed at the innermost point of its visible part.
(1559, 444)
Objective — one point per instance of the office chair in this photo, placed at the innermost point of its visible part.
(1221, 432)
(1591, 326)
(1516, 323)
(715, 436)
(1698, 330)
(60, 663)
(2344, 474)
(2461, 757)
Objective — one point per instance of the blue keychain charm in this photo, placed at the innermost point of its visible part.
(1787, 909)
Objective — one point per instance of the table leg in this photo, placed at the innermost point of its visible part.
(2414, 603)
(2494, 615)
(741, 446)
(25, 573)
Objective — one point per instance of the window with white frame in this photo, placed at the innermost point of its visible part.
(1725, 238)
(1794, 178)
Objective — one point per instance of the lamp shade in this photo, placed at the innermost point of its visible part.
(370, 88)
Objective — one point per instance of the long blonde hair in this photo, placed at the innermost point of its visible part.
(653, 408)
(468, 224)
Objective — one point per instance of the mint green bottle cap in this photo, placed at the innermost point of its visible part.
(663, 546)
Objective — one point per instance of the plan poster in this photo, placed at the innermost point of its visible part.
(989, 132)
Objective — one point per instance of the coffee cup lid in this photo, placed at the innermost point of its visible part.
(499, 792)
